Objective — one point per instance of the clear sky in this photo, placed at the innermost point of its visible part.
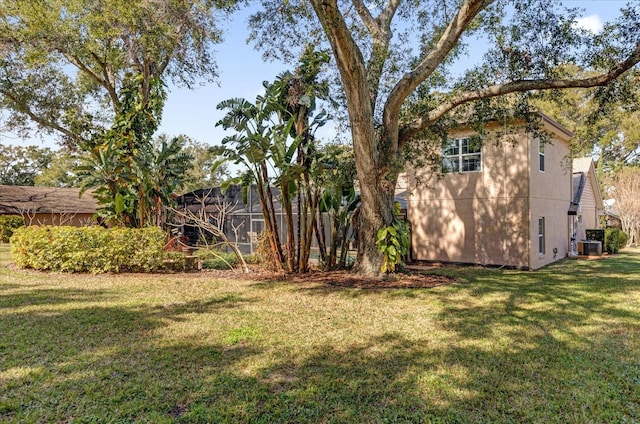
(193, 112)
(241, 73)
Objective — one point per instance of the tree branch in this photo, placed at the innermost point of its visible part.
(381, 39)
(24, 108)
(352, 69)
(110, 82)
(105, 82)
(366, 17)
(410, 130)
(449, 39)
(347, 54)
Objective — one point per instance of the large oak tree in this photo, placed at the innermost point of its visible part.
(400, 68)
(63, 63)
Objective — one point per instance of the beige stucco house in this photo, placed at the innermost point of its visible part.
(504, 202)
(48, 205)
(587, 205)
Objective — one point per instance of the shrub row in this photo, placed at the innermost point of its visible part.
(88, 249)
(614, 240)
(8, 224)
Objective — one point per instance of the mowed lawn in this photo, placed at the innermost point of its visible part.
(500, 346)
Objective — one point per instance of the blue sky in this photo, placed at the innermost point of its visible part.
(193, 112)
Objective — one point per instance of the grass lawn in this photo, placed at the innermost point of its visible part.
(557, 345)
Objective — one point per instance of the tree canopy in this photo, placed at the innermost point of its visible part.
(22, 165)
(63, 63)
(606, 127)
(399, 66)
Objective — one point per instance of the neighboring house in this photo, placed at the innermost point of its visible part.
(48, 205)
(587, 205)
(611, 213)
(504, 202)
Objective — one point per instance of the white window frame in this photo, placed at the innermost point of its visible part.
(457, 154)
(541, 158)
(542, 249)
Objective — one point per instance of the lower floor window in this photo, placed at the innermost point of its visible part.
(541, 247)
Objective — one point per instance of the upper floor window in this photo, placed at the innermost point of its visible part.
(541, 155)
(462, 155)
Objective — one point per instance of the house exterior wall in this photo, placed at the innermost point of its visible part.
(550, 196)
(475, 217)
(491, 217)
(588, 209)
(75, 220)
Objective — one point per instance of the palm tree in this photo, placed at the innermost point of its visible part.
(251, 148)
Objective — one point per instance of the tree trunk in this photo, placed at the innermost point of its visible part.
(374, 157)
(318, 228)
(291, 242)
(377, 188)
(376, 211)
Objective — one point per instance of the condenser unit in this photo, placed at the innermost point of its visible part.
(589, 248)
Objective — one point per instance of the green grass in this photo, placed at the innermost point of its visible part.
(559, 345)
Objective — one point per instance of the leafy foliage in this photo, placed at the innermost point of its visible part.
(21, 165)
(212, 259)
(133, 177)
(8, 224)
(603, 119)
(339, 200)
(275, 143)
(614, 240)
(61, 170)
(88, 249)
(64, 63)
(393, 243)
(206, 169)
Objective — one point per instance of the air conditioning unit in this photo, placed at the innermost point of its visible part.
(589, 248)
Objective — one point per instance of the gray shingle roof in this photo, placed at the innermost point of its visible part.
(20, 199)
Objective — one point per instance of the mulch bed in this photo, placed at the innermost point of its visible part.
(346, 279)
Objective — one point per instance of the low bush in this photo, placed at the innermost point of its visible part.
(615, 239)
(215, 259)
(8, 224)
(88, 249)
(623, 238)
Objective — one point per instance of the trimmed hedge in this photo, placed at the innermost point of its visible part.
(88, 249)
(615, 239)
(8, 224)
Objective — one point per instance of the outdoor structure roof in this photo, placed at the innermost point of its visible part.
(582, 164)
(583, 173)
(57, 200)
(214, 197)
(579, 180)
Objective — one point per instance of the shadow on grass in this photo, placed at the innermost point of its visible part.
(115, 371)
(506, 347)
(51, 297)
(558, 297)
(225, 301)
